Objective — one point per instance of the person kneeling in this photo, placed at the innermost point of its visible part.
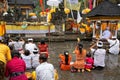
(89, 62)
(65, 61)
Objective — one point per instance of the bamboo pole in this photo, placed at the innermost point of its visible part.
(94, 25)
(85, 4)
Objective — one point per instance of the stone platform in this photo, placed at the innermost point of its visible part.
(54, 37)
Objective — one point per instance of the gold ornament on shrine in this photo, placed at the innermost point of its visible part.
(43, 14)
(66, 10)
(86, 10)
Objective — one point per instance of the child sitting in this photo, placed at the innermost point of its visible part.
(35, 58)
(89, 62)
(27, 58)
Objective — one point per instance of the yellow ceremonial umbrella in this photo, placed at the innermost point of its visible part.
(66, 10)
(32, 14)
(86, 10)
(52, 10)
(49, 17)
(82, 30)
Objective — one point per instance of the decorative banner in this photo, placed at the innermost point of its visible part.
(73, 1)
(41, 4)
(119, 25)
(72, 4)
(24, 26)
(29, 29)
(79, 18)
(94, 3)
(2, 28)
(60, 0)
(90, 4)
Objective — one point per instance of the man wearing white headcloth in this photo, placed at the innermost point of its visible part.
(99, 55)
(114, 45)
(30, 45)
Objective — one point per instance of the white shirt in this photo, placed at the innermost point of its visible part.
(106, 34)
(35, 60)
(115, 48)
(30, 47)
(99, 57)
(28, 60)
(17, 45)
(45, 71)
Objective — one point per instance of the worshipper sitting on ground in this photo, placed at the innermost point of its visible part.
(35, 58)
(15, 68)
(79, 64)
(27, 58)
(45, 70)
(5, 56)
(114, 45)
(65, 60)
(43, 47)
(17, 43)
(98, 55)
(89, 62)
(30, 45)
(56, 76)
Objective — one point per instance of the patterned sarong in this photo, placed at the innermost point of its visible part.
(2, 70)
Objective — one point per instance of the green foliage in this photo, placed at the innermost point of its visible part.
(37, 8)
(80, 0)
(115, 1)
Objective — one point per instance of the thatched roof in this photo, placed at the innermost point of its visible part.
(105, 8)
(21, 2)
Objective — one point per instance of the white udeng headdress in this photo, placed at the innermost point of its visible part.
(30, 39)
(66, 53)
(99, 44)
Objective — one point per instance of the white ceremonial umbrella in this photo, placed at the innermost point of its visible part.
(53, 2)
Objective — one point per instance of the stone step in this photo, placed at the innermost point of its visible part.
(35, 35)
